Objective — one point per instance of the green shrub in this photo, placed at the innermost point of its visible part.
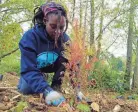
(107, 78)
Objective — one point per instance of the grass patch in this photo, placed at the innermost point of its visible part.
(10, 63)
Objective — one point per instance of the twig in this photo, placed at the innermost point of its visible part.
(16, 97)
(13, 91)
(8, 53)
(5, 88)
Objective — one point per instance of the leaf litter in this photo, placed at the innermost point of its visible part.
(12, 101)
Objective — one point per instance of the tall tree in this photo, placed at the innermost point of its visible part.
(129, 46)
(101, 27)
(135, 79)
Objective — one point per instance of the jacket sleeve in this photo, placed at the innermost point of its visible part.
(29, 70)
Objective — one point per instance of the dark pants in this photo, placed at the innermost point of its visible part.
(57, 68)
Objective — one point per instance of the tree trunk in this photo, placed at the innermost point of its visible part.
(80, 13)
(73, 9)
(100, 32)
(0, 3)
(86, 7)
(92, 24)
(129, 48)
(135, 79)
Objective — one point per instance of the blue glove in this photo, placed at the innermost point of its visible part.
(53, 97)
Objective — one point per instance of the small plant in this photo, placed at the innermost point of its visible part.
(78, 66)
(83, 108)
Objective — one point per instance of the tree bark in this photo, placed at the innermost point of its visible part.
(86, 7)
(100, 32)
(129, 48)
(92, 23)
(73, 14)
(135, 79)
(80, 13)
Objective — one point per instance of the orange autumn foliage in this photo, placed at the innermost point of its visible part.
(78, 66)
(89, 65)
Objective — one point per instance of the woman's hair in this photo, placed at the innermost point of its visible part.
(42, 12)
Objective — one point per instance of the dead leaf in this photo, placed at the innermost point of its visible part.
(95, 107)
(117, 108)
(7, 106)
(6, 99)
(66, 91)
(2, 106)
